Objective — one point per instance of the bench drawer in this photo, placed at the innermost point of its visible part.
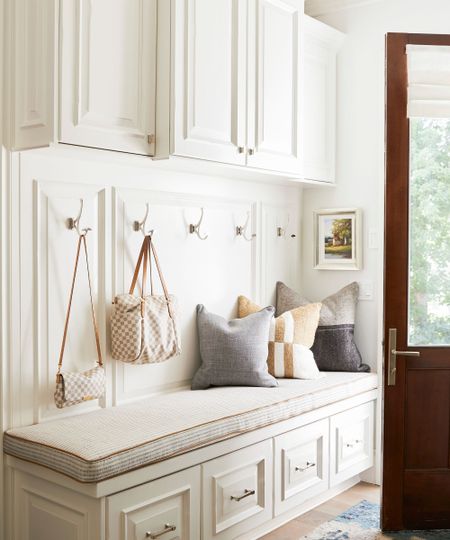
(301, 465)
(237, 491)
(352, 442)
(166, 509)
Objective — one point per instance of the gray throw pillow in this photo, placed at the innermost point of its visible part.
(233, 353)
(334, 347)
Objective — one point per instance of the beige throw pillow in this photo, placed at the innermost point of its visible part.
(290, 340)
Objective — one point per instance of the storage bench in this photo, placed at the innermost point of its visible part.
(251, 457)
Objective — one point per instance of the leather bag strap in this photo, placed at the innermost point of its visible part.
(152, 250)
(81, 240)
(94, 320)
(138, 266)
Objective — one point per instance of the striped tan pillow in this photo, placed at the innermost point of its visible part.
(290, 340)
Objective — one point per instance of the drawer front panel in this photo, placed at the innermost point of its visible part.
(352, 446)
(168, 508)
(301, 465)
(237, 491)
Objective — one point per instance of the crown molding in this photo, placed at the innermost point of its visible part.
(321, 7)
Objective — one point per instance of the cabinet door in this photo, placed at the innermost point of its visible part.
(108, 56)
(274, 78)
(301, 465)
(319, 100)
(352, 442)
(168, 508)
(237, 492)
(210, 82)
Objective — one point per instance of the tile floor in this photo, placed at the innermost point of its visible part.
(304, 524)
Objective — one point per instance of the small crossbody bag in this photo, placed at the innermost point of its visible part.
(144, 329)
(75, 387)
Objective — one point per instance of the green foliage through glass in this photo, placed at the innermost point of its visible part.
(429, 237)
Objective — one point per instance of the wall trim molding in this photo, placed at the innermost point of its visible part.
(315, 8)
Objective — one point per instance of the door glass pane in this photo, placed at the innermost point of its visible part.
(429, 232)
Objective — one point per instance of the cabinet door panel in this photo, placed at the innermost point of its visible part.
(319, 101)
(108, 57)
(210, 79)
(167, 508)
(274, 72)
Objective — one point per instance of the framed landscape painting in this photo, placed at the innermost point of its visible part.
(337, 239)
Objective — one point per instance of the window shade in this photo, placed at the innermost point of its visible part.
(428, 81)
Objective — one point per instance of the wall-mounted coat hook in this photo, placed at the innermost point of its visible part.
(195, 228)
(141, 225)
(241, 230)
(282, 231)
(74, 223)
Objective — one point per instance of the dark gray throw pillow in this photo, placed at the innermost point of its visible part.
(334, 347)
(233, 353)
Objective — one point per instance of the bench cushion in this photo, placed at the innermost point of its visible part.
(99, 445)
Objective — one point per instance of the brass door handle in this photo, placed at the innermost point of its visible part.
(393, 353)
(405, 353)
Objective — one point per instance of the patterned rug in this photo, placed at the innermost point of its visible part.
(362, 522)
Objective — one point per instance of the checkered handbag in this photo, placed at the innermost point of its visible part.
(76, 387)
(144, 328)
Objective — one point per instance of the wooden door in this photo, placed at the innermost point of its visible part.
(274, 79)
(210, 80)
(416, 474)
(108, 74)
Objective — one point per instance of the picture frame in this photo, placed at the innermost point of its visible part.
(338, 239)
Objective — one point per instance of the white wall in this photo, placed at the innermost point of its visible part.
(360, 150)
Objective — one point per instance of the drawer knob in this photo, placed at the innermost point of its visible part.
(247, 493)
(309, 465)
(351, 445)
(167, 528)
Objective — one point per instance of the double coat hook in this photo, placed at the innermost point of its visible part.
(141, 225)
(195, 228)
(74, 223)
(281, 231)
(241, 230)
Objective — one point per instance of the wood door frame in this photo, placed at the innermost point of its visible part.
(396, 259)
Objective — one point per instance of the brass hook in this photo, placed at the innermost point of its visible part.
(140, 225)
(241, 230)
(74, 223)
(195, 228)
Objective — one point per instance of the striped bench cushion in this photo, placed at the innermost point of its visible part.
(99, 445)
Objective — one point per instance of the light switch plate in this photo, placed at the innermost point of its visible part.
(365, 290)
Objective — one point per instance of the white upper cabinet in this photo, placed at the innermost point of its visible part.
(237, 82)
(321, 43)
(250, 83)
(274, 60)
(210, 81)
(108, 74)
(29, 51)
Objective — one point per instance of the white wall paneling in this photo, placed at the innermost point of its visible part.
(108, 74)
(29, 75)
(214, 271)
(279, 253)
(46, 188)
(52, 267)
